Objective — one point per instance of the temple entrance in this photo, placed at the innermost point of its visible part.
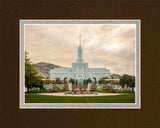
(80, 80)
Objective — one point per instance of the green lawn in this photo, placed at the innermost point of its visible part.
(35, 98)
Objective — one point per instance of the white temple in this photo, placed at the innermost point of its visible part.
(79, 71)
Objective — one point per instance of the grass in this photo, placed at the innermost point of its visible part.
(36, 98)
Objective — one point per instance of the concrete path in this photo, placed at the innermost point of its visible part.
(62, 94)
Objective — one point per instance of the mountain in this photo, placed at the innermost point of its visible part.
(43, 68)
(115, 76)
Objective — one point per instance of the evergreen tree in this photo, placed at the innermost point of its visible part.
(72, 81)
(132, 82)
(88, 81)
(31, 76)
(41, 85)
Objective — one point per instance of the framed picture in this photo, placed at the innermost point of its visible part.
(113, 46)
(80, 64)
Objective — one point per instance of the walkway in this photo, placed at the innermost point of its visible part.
(62, 94)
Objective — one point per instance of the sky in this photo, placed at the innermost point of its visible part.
(104, 46)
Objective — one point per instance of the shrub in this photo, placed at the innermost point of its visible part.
(93, 87)
(108, 88)
(56, 89)
(47, 81)
(103, 91)
(50, 90)
(73, 87)
(80, 87)
(65, 88)
(127, 91)
(38, 91)
(111, 91)
(98, 90)
(42, 91)
(123, 91)
(69, 92)
(87, 92)
(33, 91)
(85, 87)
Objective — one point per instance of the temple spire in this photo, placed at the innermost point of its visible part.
(80, 40)
(80, 52)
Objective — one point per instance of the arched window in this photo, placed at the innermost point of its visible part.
(79, 69)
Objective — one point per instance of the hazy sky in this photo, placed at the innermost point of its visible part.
(105, 46)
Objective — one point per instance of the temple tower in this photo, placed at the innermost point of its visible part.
(80, 52)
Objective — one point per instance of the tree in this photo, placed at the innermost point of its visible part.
(58, 81)
(88, 81)
(132, 82)
(41, 85)
(53, 82)
(84, 81)
(127, 80)
(30, 73)
(32, 79)
(47, 81)
(65, 80)
(105, 78)
(102, 81)
(124, 80)
(37, 81)
(113, 82)
(95, 80)
(76, 81)
(72, 81)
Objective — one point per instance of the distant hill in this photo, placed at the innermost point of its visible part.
(115, 76)
(44, 68)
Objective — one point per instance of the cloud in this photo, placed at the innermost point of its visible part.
(110, 46)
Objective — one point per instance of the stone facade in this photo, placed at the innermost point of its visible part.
(79, 71)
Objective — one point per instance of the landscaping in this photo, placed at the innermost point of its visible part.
(55, 88)
(103, 90)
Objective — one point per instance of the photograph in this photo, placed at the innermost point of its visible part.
(83, 64)
(80, 64)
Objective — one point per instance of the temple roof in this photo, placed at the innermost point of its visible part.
(98, 70)
(61, 70)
